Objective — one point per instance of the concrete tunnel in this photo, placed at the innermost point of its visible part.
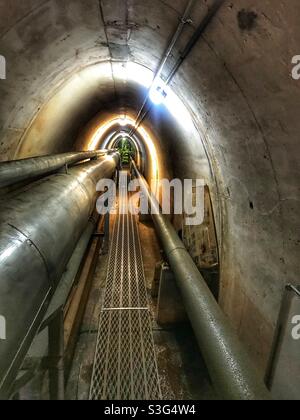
(199, 90)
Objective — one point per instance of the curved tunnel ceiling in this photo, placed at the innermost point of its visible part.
(66, 62)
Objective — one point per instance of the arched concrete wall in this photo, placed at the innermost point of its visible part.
(238, 88)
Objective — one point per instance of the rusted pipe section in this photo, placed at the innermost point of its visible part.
(232, 372)
(16, 171)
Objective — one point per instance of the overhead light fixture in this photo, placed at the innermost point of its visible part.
(158, 92)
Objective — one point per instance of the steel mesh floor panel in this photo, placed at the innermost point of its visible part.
(125, 365)
(125, 286)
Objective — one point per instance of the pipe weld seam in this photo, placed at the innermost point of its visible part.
(37, 249)
(176, 249)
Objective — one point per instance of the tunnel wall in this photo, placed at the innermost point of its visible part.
(238, 88)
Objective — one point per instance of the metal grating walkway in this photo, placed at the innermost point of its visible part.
(125, 365)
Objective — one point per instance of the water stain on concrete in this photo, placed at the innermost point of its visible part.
(247, 19)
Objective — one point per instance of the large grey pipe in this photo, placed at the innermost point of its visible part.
(232, 372)
(16, 171)
(39, 229)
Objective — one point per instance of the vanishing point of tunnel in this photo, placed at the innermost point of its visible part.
(149, 202)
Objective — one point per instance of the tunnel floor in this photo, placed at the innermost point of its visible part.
(127, 355)
(125, 366)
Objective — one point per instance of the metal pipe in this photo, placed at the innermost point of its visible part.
(16, 171)
(190, 45)
(183, 21)
(196, 36)
(67, 281)
(231, 370)
(293, 289)
(40, 226)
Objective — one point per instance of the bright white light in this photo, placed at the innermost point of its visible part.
(7, 253)
(120, 71)
(123, 121)
(158, 92)
(179, 111)
(140, 74)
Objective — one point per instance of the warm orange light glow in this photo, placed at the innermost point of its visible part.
(122, 122)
